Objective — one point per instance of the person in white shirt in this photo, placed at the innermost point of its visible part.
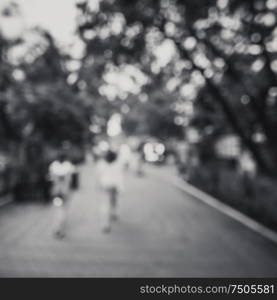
(60, 172)
(110, 180)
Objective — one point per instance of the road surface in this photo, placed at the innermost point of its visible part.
(162, 232)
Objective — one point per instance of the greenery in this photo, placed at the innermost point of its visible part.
(223, 50)
(254, 196)
(169, 67)
(220, 80)
(40, 112)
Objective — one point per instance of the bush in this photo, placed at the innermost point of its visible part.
(254, 196)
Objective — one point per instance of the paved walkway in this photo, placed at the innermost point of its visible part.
(161, 232)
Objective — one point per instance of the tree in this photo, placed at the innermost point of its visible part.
(40, 111)
(224, 47)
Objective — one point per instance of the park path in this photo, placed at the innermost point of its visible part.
(162, 232)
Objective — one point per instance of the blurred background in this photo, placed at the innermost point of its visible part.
(190, 86)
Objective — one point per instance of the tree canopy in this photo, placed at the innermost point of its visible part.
(216, 57)
(167, 66)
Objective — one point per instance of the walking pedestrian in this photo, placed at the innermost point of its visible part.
(61, 171)
(110, 176)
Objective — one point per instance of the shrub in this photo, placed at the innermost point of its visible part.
(255, 196)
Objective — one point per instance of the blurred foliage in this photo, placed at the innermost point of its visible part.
(167, 66)
(211, 68)
(225, 49)
(244, 193)
(154, 118)
(40, 113)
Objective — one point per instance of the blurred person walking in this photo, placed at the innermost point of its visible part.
(110, 180)
(138, 160)
(60, 172)
(125, 156)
